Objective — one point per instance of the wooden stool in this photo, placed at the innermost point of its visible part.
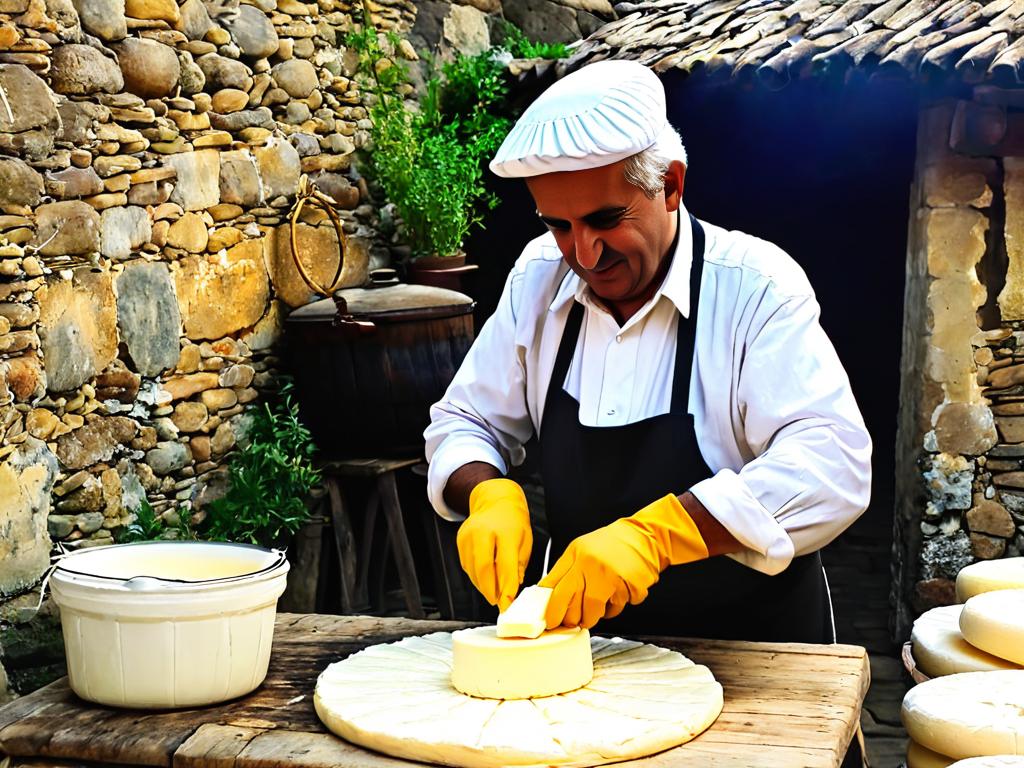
(383, 494)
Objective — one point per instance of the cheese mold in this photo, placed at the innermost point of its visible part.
(398, 699)
(970, 714)
(940, 648)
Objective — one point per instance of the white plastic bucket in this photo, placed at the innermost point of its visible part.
(158, 625)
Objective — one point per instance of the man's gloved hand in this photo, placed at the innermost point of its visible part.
(603, 570)
(495, 540)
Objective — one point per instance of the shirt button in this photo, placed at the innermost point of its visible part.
(618, 339)
(611, 412)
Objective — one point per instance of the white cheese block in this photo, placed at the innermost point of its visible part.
(410, 709)
(994, 622)
(992, 761)
(493, 667)
(988, 576)
(968, 714)
(922, 757)
(525, 617)
(940, 649)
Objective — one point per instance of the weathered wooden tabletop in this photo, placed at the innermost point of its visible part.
(786, 705)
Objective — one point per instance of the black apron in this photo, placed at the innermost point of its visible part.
(594, 475)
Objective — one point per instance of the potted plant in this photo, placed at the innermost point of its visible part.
(429, 160)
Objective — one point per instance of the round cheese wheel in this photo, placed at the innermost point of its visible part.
(398, 699)
(922, 757)
(988, 576)
(940, 649)
(493, 667)
(993, 761)
(968, 714)
(994, 622)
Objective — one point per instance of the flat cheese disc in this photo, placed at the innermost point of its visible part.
(968, 714)
(922, 757)
(992, 761)
(988, 576)
(940, 649)
(493, 667)
(398, 699)
(994, 622)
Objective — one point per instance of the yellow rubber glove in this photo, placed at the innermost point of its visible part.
(495, 540)
(601, 571)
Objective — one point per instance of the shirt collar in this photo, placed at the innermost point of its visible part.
(675, 287)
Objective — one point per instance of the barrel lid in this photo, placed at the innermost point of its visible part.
(396, 302)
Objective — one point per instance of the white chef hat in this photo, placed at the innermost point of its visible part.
(600, 114)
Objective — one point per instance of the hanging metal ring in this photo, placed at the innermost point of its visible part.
(308, 193)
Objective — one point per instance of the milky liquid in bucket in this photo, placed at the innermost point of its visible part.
(168, 624)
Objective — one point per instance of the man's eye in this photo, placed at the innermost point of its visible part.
(556, 224)
(606, 222)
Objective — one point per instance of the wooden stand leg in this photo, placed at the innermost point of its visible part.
(362, 593)
(400, 544)
(344, 543)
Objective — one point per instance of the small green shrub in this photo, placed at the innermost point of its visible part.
(270, 479)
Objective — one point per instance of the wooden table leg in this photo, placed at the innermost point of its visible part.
(344, 543)
(400, 544)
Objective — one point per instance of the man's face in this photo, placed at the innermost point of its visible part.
(609, 232)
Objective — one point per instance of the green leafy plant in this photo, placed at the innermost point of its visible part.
(148, 525)
(429, 161)
(270, 479)
(521, 47)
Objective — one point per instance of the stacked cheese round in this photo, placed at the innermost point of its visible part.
(940, 649)
(493, 667)
(968, 714)
(994, 622)
(989, 576)
(922, 757)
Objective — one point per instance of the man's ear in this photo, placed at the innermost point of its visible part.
(675, 176)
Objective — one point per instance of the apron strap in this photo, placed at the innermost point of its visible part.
(687, 327)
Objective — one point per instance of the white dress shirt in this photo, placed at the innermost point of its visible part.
(774, 415)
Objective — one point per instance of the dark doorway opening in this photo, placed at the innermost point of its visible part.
(823, 170)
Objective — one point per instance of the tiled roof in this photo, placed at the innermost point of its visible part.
(782, 39)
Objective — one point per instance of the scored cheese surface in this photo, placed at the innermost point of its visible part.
(922, 757)
(939, 648)
(493, 667)
(989, 576)
(994, 622)
(398, 699)
(994, 761)
(968, 714)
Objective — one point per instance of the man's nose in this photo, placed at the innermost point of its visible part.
(588, 247)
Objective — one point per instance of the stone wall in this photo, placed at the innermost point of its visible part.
(962, 399)
(149, 153)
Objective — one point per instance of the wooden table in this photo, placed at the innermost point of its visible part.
(786, 705)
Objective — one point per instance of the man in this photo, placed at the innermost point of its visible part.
(699, 440)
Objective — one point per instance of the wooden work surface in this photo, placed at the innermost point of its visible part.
(786, 705)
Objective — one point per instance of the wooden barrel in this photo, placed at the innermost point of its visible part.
(370, 362)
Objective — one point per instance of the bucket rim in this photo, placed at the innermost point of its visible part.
(64, 567)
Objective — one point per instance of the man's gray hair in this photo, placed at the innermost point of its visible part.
(646, 169)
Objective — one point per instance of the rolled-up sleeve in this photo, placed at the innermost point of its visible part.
(483, 416)
(811, 475)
